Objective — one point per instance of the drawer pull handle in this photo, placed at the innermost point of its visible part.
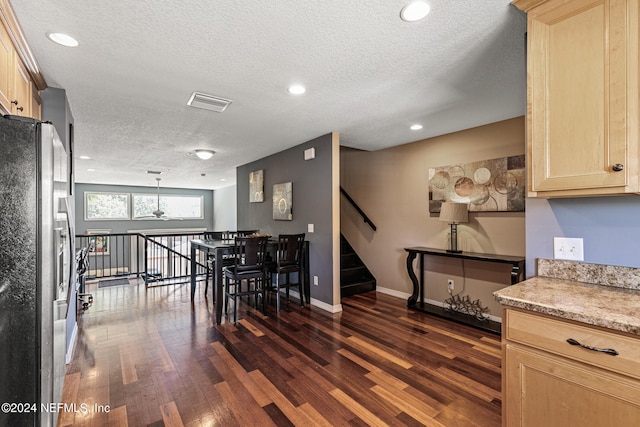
(610, 351)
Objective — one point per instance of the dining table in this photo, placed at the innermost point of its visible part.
(222, 248)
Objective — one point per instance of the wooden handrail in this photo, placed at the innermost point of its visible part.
(360, 211)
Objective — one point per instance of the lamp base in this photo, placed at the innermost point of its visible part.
(454, 239)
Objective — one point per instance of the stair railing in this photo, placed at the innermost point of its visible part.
(360, 211)
(162, 262)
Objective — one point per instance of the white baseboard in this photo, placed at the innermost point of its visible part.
(72, 344)
(393, 292)
(326, 307)
(317, 303)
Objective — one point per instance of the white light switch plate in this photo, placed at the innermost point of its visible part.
(568, 248)
(310, 228)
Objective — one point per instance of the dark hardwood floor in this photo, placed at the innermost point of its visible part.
(152, 358)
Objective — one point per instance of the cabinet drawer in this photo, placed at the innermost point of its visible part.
(551, 334)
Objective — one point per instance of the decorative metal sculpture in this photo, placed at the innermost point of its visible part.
(466, 306)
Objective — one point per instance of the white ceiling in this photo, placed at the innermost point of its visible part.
(369, 76)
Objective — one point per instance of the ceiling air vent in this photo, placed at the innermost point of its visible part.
(208, 102)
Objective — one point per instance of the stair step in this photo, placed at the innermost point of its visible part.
(348, 281)
(357, 288)
(355, 274)
(355, 278)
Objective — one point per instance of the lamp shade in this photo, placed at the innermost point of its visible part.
(454, 213)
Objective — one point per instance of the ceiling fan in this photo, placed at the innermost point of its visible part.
(159, 213)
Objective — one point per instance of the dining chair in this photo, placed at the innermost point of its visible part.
(82, 267)
(244, 233)
(211, 259)
(248, 267)
(288, 261)
(216, 235)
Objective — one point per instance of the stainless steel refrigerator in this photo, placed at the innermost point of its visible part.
(35, 270)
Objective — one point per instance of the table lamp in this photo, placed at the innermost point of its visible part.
(454, 214)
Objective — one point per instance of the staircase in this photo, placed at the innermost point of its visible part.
(355, 278)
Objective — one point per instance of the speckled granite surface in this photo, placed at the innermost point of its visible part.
(607, 275)
(606, 306)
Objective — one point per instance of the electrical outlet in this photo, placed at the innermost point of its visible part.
(568, 248)
(315, 280)
(450, 285)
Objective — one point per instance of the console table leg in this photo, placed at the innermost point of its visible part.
(414, 280)
(516, 272)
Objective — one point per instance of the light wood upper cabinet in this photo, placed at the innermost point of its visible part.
(6, 69)
(20, 77)
(22, 99)
(582, 97)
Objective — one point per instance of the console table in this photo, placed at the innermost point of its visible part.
(416, 300)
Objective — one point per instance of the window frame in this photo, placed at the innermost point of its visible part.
(117, 193)
(200, 199)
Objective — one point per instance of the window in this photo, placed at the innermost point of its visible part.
(105, 206)
(173, 206)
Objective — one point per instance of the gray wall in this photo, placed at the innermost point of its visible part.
(122, 226)
(608, 225)
(311, 201)
(224, 208)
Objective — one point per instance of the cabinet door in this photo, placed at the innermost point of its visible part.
(6, 69)
(22, 91)
(582, 92)
(550, 391)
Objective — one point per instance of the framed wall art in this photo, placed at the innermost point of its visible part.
(495, 185)
(282, 204)
(100, 243)
(256, 186)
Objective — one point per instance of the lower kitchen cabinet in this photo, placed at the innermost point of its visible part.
(549, 382)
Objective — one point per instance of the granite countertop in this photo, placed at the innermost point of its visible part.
(606, 306)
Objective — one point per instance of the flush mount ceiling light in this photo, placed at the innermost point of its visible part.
(296, 89)
(204, 154)
(63, 39)
(415, 11)
(416, 127)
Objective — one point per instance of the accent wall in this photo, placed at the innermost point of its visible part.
(315, 189)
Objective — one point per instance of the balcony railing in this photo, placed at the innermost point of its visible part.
(159, 259)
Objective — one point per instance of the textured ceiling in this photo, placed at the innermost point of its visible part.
(369, 76)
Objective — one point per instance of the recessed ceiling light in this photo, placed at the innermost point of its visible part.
(416, 127)
(63, 39)
(415, 11)
(204, 154)
(223, 179)
(296, 89)
(85, 157)
(91, 170)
